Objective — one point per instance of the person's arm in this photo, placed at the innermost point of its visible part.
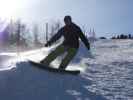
(84, 39)
(55, 37)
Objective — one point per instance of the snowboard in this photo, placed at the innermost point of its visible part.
(52, 69)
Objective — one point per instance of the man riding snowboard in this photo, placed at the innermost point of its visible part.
(71, 33)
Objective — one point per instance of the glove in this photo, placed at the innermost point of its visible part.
(88, 47)
(47, 44)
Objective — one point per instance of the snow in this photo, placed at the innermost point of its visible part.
(106, 74)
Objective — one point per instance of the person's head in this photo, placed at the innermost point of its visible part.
(67, 20)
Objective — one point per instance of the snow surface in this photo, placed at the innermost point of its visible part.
(106, 74)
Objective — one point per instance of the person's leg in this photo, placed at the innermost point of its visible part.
(58, 51)
(71, 52)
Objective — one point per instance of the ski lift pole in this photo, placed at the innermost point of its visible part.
(18, 51)
(46, 32)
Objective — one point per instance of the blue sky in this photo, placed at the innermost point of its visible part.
(106, 16)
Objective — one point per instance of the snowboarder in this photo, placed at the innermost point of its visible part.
(70, 45)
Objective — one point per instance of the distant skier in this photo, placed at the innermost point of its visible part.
(70, 45)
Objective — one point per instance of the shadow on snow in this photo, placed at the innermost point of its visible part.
(28, 83)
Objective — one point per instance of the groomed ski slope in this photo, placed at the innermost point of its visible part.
(107, 75)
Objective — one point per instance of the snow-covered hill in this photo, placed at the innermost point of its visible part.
(107, 75)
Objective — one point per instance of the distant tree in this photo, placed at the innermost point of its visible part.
(52, 30)
(122, 36)
(22, 32)
(35, 34)
(18, 33)
(55, 26)
(118, 36)
(113, 37)
(85, 31)
(36, 41)
(130, 36)
(125, 36)
(103, 38)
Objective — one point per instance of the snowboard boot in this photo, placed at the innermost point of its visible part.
(41, 61)
(44, 63)
(62, 67)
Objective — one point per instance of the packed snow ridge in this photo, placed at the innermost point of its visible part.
(106, 74)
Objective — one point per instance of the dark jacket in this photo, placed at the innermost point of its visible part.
(71, 34)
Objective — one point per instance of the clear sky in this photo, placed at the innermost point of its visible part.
(106, 16)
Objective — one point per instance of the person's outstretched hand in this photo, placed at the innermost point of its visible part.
(47, 44)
